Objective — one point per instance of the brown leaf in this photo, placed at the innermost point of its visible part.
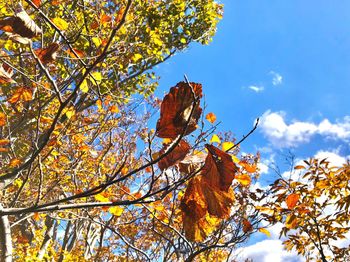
(219, 202)
(178, 154)
(292, 200)
(6, 73)
(175, 111)
(219, 169)
(247, 226)
(48, 54)
(20, 27)
(193, 203)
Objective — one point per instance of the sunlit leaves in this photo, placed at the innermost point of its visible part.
(215, 139)
(21, 94)
(60, 23)
(265, 231)
(243, 179)
(2, 119)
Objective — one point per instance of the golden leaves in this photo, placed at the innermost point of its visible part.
(243, 179)
(175, 111)
(2, 119)
(22, 94)
(60, 23)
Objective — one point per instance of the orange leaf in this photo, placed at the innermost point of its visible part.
(243, 179)
(299, 167)
(79, 53)
(211, 117)
(21, 94)
(36, 216)
(48, 54)
(37, 2)
(176, 155)
(15, 162)
(2, 119)
(105, 18)
(292, 200)
(124, 171)
(175, 111)
(250, 168)
(4, 142)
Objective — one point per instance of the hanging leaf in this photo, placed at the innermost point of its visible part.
(178, 154)
(219, 169)
(48, 54)
(175, 111)
(211, 117)
(292, 200)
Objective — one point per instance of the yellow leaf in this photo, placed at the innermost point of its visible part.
(60, 23)
(70, 112)
(291, 221)
(99, 105)
(84, 86)
(211, 117)
(117, 211)
(235, 159)
(101, 198)
(96, 78)
(136, 57)
(4, 142)
(227, 146)
(183, 40)
(97, 41)
(265, 231)
(215, 139)
(243, 179)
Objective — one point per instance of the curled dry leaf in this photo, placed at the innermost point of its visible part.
(20, 27)
(178, 154)
(176, 109)
(48, 54)
(6, 73)
(247, 226)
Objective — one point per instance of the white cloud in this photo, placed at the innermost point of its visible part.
(267, 251)
(276, 78)
(257, 89)
(280, 134)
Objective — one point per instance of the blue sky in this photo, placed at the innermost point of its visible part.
(285, 61)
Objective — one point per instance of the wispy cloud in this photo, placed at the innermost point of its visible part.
(283, 135)
(277, 79)
(257, 89)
